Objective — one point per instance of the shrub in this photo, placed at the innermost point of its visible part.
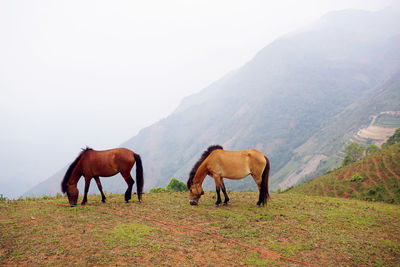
(357, 178)
(176, 186)
(158, 190)
(395, 138)
(371, 149)
(347, 160)
(354, 152)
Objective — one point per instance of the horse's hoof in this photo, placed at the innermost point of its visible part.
(225, 204)
(83, 203)
(216, 205)
(258, 205)
(103, 201)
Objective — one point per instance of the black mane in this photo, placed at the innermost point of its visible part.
(71, 168)
(205, 154)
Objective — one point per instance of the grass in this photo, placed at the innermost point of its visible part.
(374, 178)
(318, 230)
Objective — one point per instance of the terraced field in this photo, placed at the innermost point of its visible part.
(374, 178)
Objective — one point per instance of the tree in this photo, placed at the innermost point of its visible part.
(354, 151)
(395, 138)
(347, 160)
(371, 149)
(176, 186)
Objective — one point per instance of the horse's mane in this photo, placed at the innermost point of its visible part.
(196, 166)
(71, 168)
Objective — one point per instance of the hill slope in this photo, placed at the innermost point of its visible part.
(371, 110)
(281, 102)
(316, 230)
(375, 177)
(290, 91)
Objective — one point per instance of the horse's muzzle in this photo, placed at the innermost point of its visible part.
(193, 202)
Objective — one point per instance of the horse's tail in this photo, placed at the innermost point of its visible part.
(139, 175)
(264, 194)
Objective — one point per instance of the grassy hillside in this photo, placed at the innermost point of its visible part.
(316, 230)
(376, 178)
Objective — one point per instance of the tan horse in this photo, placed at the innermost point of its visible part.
(92, 164)
(219, 164)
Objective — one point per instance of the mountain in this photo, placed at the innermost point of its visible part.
(285, 95)
(379, 110)
(290, 102)
(375, 177)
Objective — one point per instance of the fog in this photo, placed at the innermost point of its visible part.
(93, 73)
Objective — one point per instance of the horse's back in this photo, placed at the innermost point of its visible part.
(109, 162)
(257, 155)
(241, 155)
(236, 164)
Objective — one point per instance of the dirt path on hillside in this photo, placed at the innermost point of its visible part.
(387, 165)
(369, 171)
(382, 177)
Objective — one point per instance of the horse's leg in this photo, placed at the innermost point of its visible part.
(129, 181)
(218, 189)
(103, 197)
(257, 179)
(87, 183)
(224, 191)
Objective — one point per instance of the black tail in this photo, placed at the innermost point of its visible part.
(264, 194)
(139, 175)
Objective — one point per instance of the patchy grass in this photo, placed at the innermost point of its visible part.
(373, 178)
(318, 230)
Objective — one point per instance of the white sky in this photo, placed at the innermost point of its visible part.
(77, 73)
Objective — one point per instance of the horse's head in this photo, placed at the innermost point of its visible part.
(72, 193)
(195, 193)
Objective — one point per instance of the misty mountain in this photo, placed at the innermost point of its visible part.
(284, 102)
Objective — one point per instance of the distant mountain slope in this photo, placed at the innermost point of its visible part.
(286, 94)
(291, 101)
(375, 177)
(342, 129)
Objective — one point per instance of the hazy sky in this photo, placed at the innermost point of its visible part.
(77, 73)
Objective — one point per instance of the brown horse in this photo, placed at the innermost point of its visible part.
(92, 164)
(219, 164)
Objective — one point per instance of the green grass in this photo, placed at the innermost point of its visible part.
(374, 178)
(318, 230)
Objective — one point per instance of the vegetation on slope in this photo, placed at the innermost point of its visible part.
(394, 139)
(375, 178)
